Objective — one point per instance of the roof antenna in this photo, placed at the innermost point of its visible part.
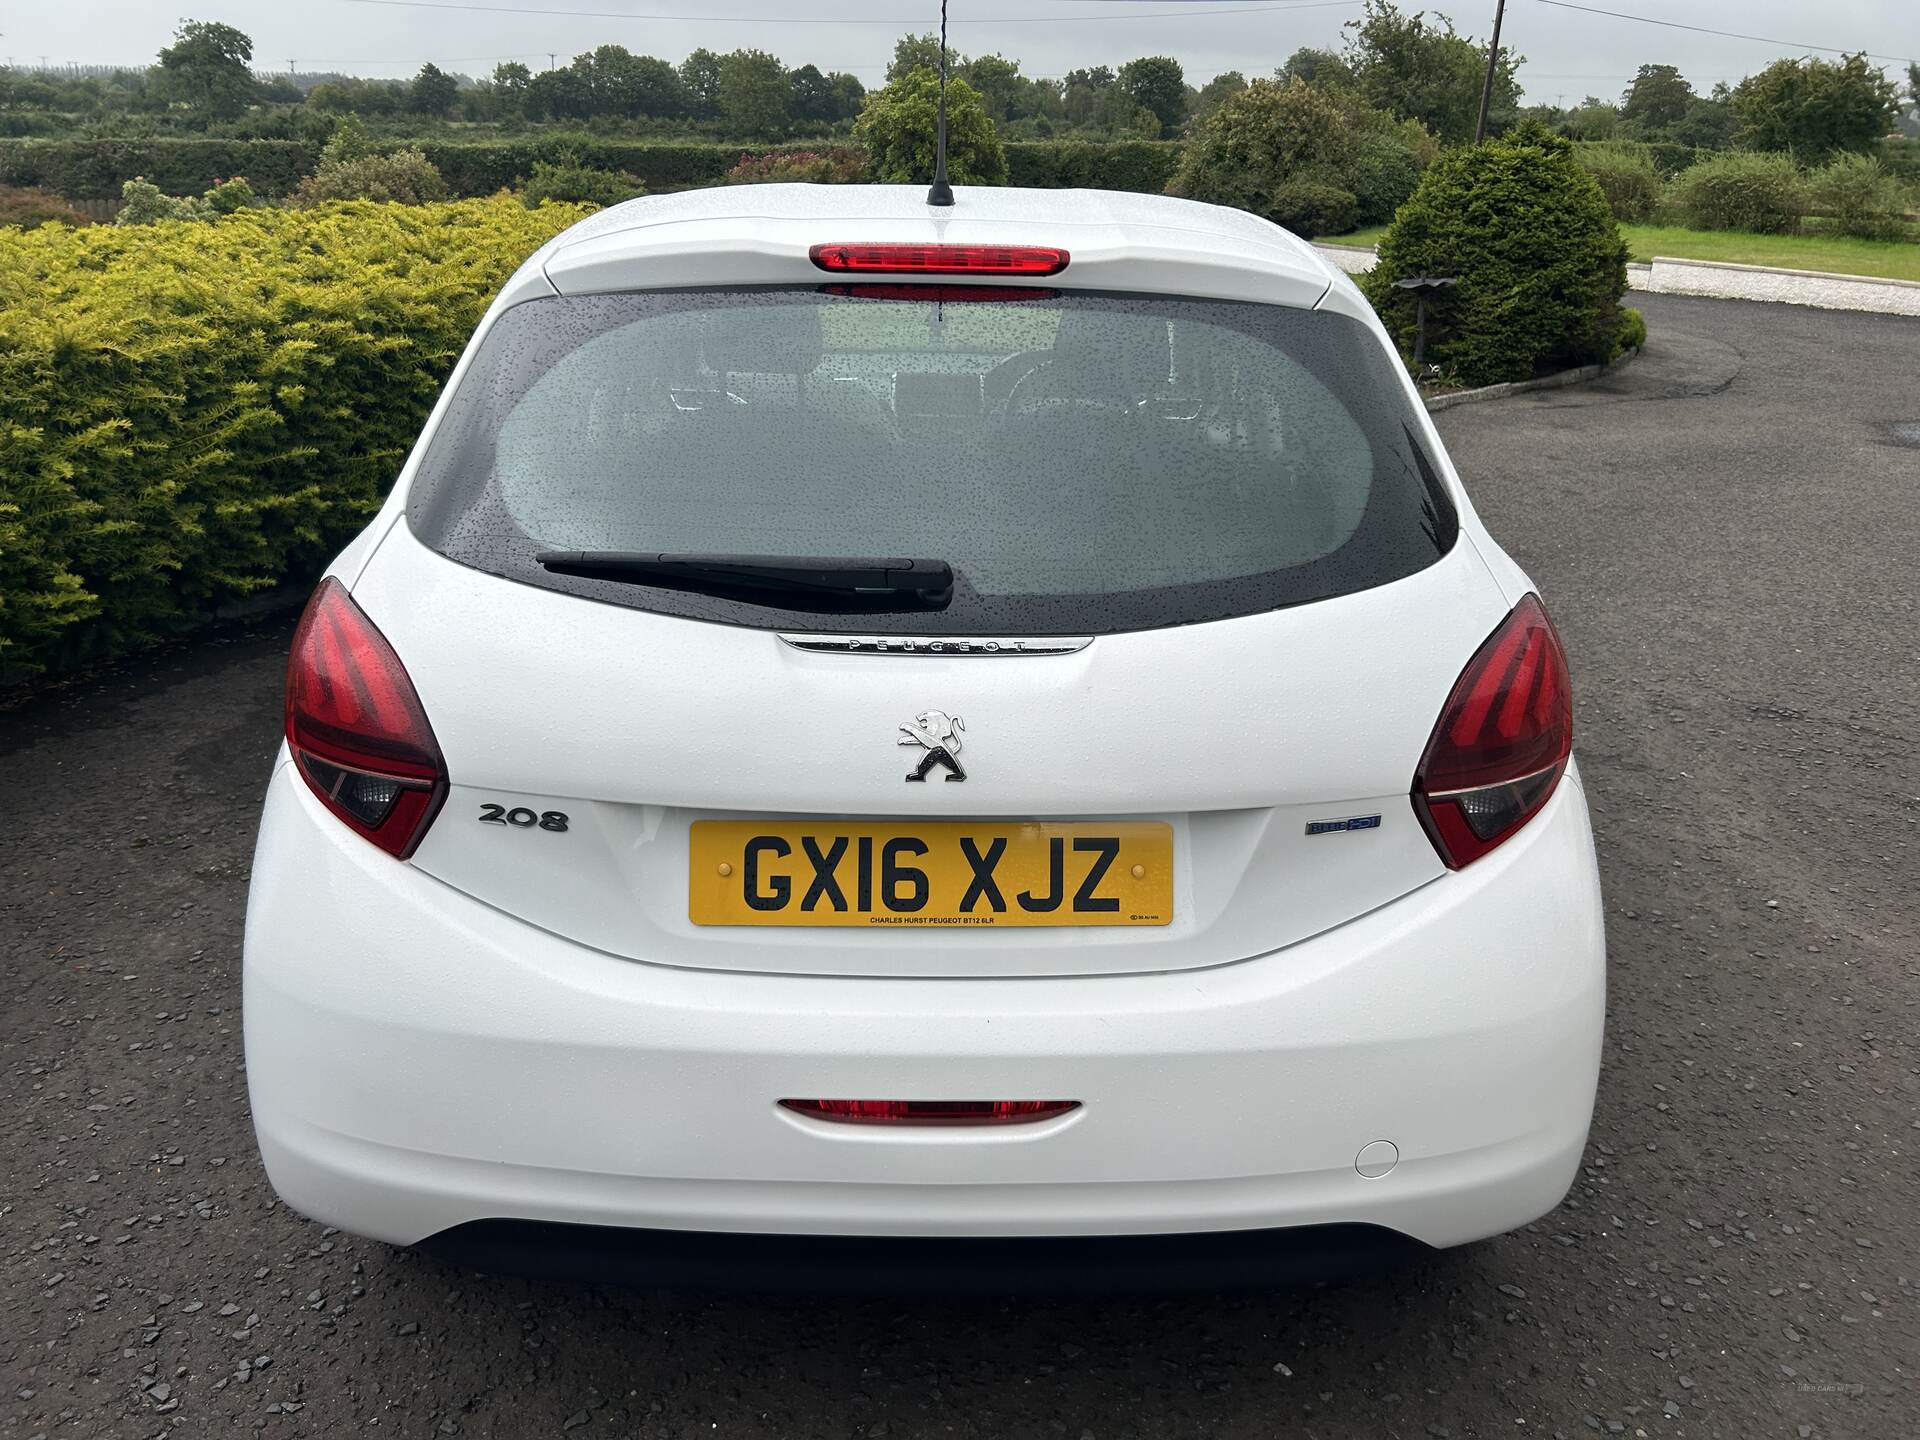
(940, 192)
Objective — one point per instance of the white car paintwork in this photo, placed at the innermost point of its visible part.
(437, 1061)
(507, 1026)
(1282, 719)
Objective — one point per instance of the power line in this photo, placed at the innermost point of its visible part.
(823, 20)
(441, 60)
(1617, 75)
(1725, 34)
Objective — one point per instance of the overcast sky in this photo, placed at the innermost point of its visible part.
(1569, 53)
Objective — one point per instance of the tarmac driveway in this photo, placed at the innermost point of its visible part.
(1726, 532)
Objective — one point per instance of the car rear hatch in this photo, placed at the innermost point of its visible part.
(1206, 606)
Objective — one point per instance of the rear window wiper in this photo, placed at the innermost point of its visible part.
(855, 582)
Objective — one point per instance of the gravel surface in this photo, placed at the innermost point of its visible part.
(1726, 532)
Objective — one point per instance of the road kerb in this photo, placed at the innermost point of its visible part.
(1712, 279)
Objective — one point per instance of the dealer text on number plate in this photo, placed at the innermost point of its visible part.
(750, 872)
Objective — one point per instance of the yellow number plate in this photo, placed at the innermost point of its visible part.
(746, 872)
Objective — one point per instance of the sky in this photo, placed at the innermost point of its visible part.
(1570, 53)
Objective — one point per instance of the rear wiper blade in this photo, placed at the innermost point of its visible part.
(858, 580)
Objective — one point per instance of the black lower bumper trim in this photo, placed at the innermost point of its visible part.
(842, 1264)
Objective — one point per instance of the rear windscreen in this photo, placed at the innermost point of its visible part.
(1086, 462)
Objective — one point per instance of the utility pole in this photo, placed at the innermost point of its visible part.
(1493, 62)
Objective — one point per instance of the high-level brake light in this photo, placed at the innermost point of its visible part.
(1502, 742)
(355, 726)
(888, 258)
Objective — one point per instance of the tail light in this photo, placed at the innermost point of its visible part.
(895, 259)
(355, 726)
(931, 1112)
(1502, 742)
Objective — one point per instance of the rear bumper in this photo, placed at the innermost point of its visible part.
(419, 1061)
(1211, 1260)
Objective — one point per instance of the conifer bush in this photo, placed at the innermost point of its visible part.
(194, 411)
(1540, 262)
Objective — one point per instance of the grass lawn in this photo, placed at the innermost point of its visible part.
(1837, 254)
(1366, 239)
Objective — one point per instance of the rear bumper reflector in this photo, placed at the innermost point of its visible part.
(931, 1112)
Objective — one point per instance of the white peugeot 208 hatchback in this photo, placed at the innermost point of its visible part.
(996, 725)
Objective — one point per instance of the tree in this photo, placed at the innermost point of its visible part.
(899, 124)
(753, 93)
(1317, 67)
(209, 67)
(1081, 92)
(1157, 83)
(1812, 108)
(810, 100)
(1216, 90)
(433, 91)
(510, 81)
(998, 82)
(818, 99)
(1114, 113)
(349, 141)
(278, 90)
(1316, 161)
(653, 88)
(700, 78)
(1592, 119)
(618, 82)
(1707, 125)
(912, 52)
(357, 97)
(1093, 77)
(1658, 99)
(848, 94)
(1094, 99)
(561, 94)
(1427, 72)
(815, 98)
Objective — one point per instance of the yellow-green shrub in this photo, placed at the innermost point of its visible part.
(190, 412)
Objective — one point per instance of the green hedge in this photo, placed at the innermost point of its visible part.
(1627, 178)
(1901, 156)
(1140, 165)
(1742, 190)
(96, 169)
(1668, 157)
(193, 411)
(481, 169)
